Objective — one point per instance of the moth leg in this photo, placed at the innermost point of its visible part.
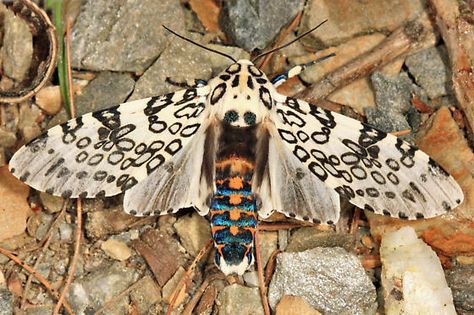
(296, 70)
(185, 85)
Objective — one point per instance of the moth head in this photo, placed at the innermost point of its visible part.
(234, 258)
(241, 94)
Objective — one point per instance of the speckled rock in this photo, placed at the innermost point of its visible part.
(106, 90)
(92, 291)
(98, 41)
(253, 24)
(392, 96)
(309, 237)
(6, 302)
(194, 232)
(145, 294)
(237, 299)
(460, 280)
(331, 280)
(431, 71)
(181, 62)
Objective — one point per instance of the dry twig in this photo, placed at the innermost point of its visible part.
(405, 39)
(187, 275)
(40, 278)
(263, 287)
(48, 237)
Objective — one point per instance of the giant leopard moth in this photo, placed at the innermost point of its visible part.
(237, 149)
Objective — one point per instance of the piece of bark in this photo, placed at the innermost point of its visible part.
(458, 35)
(407, 39)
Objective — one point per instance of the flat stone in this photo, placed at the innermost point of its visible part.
(14, 208)
(294, 305)
(123, 35)
(310, 237)
(254, 24)
(172, 284)
(194, 232)
(98, 41)
(145, 294)
(17, 46)
(92, 291)
(268, 243)
(362, 17)
(393, 98)
(27, 124)
(237, 299)
(52, 204)
(110, 221)
(106, 90)
(413, 280)
(460, 280)
(181, 62)
(116, 249)
(430, 69)
(331, 280)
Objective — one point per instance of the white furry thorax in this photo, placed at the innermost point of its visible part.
(241, 95)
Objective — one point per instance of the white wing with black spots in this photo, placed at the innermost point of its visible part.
(109, 151)
(374, 170)
(293, 190)
(175, 185)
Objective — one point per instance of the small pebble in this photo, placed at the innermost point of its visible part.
(116, 249)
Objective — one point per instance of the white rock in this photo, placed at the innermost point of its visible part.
(413, 280)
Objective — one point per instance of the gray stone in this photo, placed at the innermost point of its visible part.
(6, 302)
(106, 90)
(237, 299)
(181, 62)
(92, 291)
(311, 237)
(17, 46)
(460, 279)
(392, 96)
(331, 280)
(123, 35)
(430, 69)
(254, 23)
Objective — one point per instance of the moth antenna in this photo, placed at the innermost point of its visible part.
(199, 45)
(288, 44)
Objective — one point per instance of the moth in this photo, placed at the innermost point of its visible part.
(236, 149)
